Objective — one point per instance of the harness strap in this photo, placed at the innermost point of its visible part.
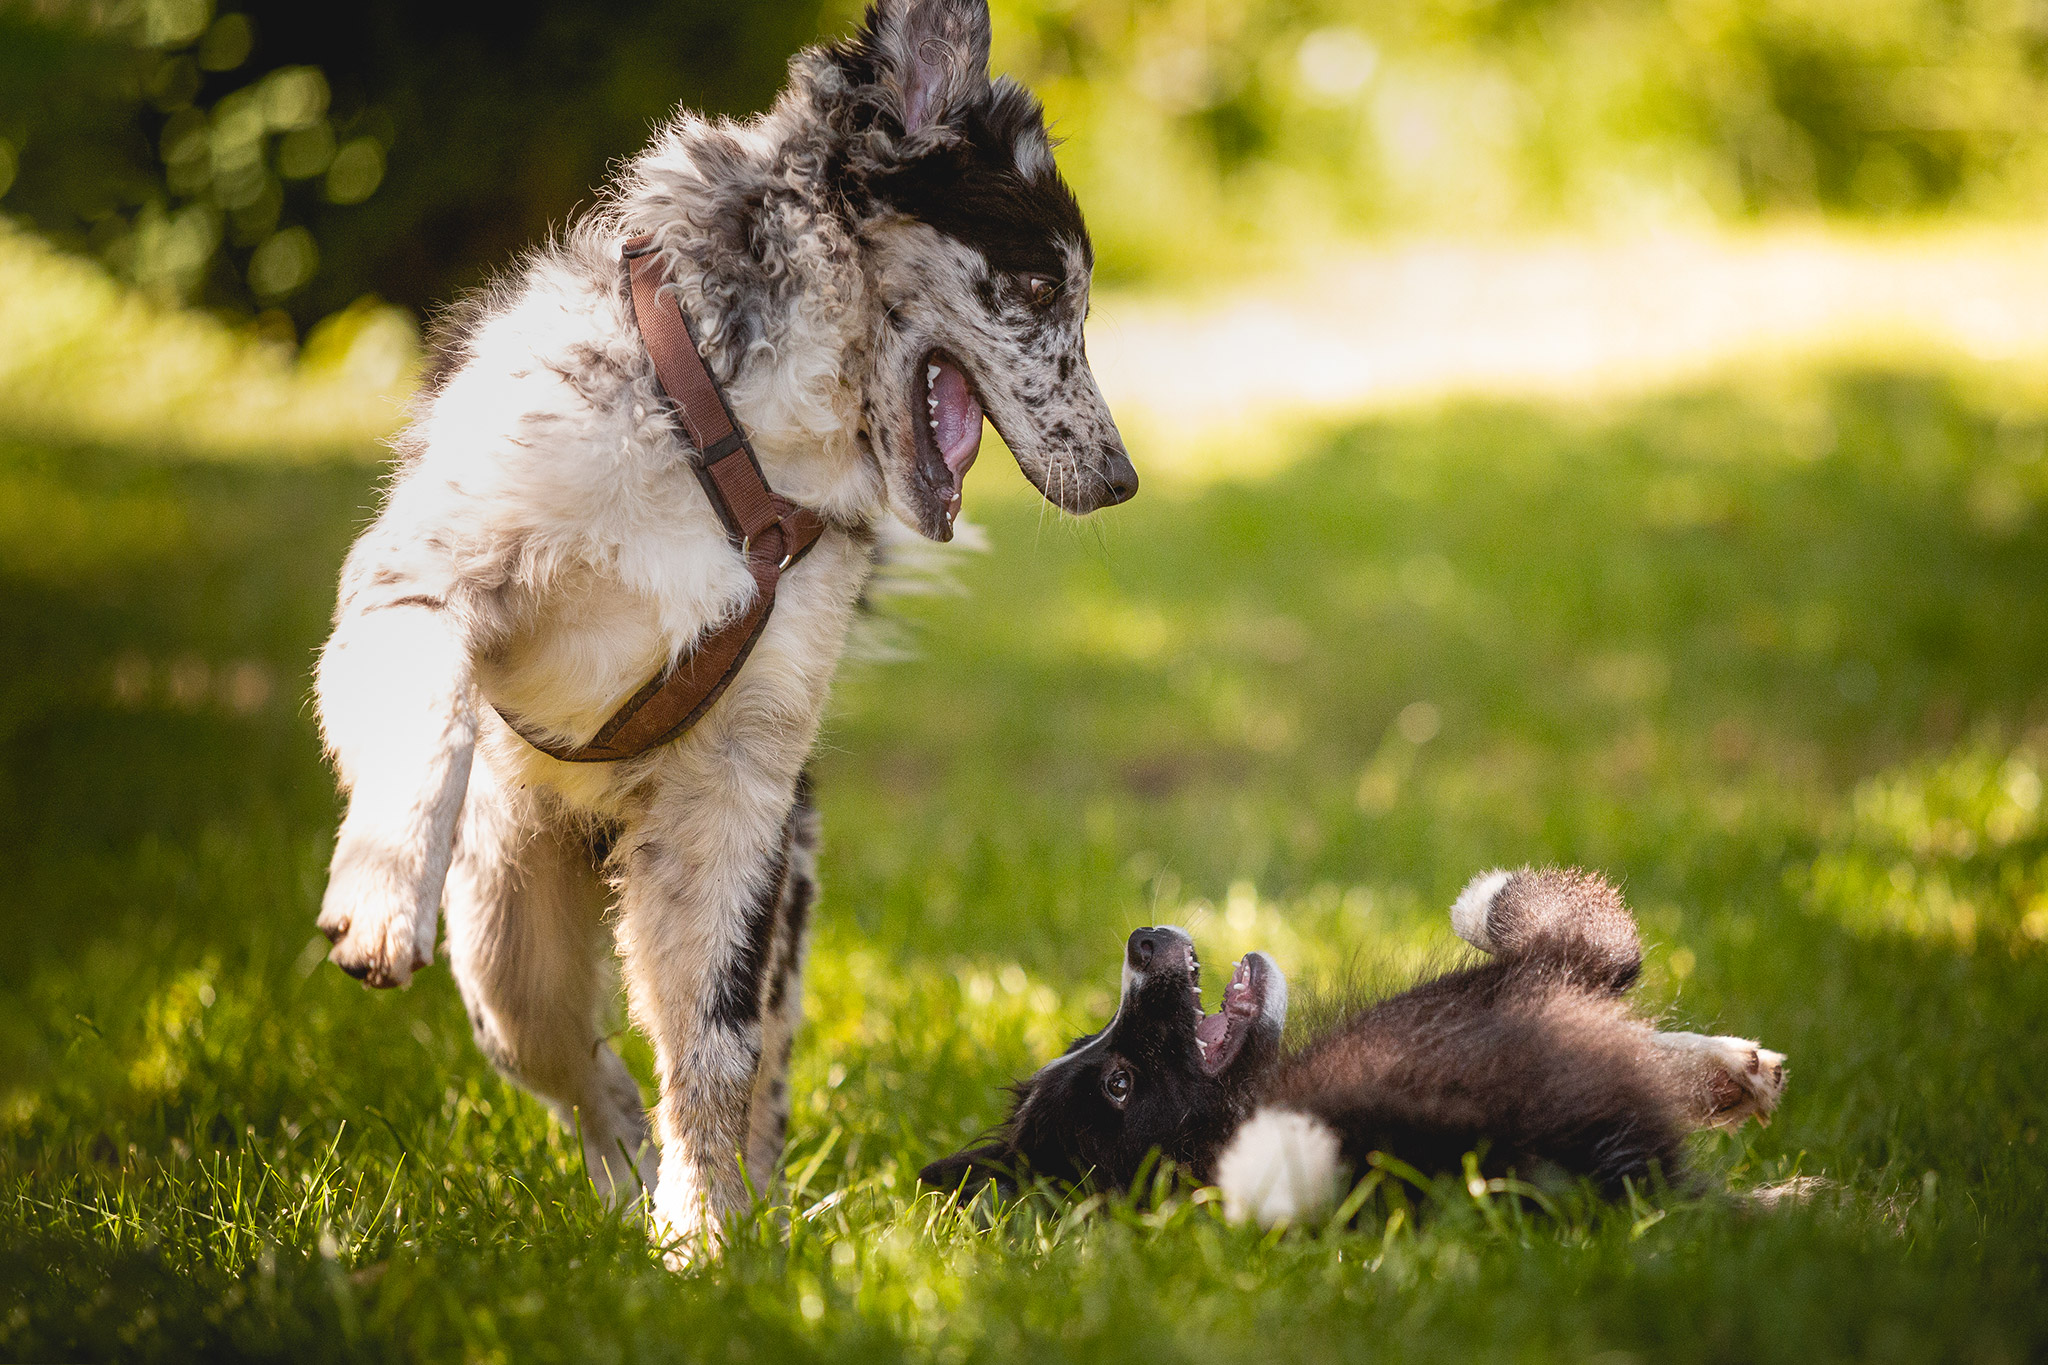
(772, 532)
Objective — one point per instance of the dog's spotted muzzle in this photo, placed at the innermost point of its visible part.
(1106, 478)
(948, 413)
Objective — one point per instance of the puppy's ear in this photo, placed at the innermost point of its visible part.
(965, 1173)
(933, 56)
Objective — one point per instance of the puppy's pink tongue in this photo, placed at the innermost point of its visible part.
(957, 419)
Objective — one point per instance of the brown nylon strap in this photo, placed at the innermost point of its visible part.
(773, 533)
(676, 359)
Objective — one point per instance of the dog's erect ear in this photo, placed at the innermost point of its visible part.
(934, 56)
(965, 1173)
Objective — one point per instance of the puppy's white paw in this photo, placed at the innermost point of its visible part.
(1280, 1167)
(370, 915)
(1737, 1078)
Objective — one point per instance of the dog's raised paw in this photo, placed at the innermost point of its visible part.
(375, 940)
(379, 957)
(1737, 1078)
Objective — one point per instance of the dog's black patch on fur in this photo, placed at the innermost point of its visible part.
(736, 1003)
(973, 193)
(971, 190)
(798, 895)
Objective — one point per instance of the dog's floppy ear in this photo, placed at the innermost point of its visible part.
(934, 56)
(965, 1173)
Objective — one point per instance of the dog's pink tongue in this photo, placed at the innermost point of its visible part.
(958, 418)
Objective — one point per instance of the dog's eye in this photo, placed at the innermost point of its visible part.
(1040, 289)
(1117, 1085)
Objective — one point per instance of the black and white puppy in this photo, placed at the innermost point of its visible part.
(1533, 1059)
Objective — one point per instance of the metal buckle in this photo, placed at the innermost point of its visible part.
(788, 557)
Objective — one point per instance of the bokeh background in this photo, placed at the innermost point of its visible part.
(1597, 431)
(299, 157)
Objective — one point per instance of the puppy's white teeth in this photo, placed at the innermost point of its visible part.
(931, 377)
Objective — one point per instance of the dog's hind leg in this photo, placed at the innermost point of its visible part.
(1573, 920)
(525, 936)
(782, 993)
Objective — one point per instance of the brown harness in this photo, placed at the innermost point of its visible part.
(771, 532)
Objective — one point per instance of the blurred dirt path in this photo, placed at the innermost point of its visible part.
(1420, 322)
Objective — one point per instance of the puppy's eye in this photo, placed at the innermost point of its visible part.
(1117, 1085)
(1040, 289)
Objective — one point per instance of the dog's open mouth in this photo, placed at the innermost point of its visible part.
(950, 436)
(1220, 1036)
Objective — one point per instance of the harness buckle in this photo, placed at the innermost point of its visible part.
(788, 556)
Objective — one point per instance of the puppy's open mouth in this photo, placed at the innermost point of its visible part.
(1220, 1036)
(949, 437)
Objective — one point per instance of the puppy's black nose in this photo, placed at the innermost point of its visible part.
(1144, 946)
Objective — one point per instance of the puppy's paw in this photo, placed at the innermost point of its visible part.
(369, 916)
(1748, 1081)
(1735, 1079)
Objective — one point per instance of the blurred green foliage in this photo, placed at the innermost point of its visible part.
(292, 156)
(1209, 125)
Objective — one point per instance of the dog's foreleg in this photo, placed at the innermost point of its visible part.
(704, 872)
(400, 722)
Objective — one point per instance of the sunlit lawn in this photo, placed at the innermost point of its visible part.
(1771, 653)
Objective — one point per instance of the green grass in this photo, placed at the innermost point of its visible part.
(1770, 653)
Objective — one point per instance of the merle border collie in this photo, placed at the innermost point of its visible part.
(1533, 1060)
(869, 268)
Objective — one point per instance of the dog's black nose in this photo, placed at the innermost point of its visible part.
(1144, 946)
(1120, 474)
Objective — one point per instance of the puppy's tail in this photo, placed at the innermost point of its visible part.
(1564, 917)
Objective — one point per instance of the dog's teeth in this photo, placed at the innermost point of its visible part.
(931, 377)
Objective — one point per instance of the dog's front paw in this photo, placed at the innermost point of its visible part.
(1736, 1079)
(687, 1235)
(370, 917)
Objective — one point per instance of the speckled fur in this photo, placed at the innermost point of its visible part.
(543, 550)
